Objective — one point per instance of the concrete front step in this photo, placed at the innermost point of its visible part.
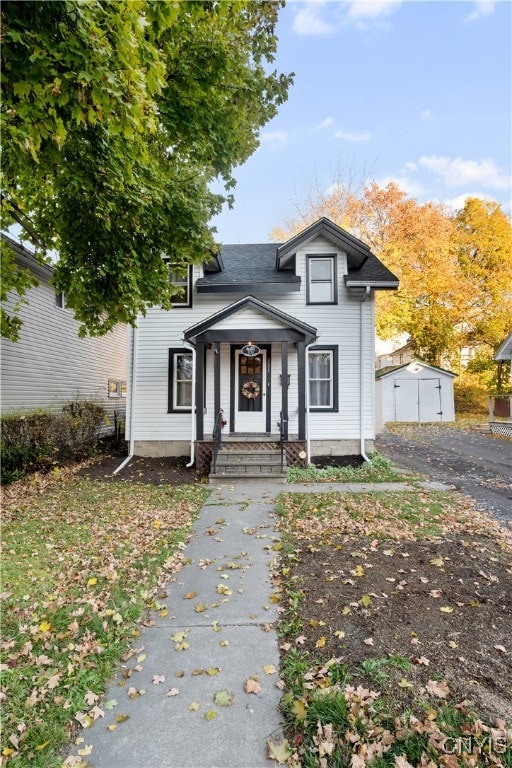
(219, 478)
(248, 464)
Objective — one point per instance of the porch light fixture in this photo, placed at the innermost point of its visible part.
(288, 382)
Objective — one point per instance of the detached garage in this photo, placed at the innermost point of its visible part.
(416, 392)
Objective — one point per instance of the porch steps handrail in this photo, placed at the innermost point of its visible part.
(217, 438)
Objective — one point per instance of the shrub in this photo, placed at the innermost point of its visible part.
(35, 441)
(470, 398)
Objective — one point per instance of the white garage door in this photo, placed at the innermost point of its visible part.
(418, 400)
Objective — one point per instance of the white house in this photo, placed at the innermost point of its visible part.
(272, 341)
(416, 392)
(50, 365)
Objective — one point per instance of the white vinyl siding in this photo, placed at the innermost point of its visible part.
(338, 326)
(50, 365)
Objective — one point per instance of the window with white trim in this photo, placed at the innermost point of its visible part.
(60, 300)
(323, 379)
(180, 380)
(181, 278)
(321, 279)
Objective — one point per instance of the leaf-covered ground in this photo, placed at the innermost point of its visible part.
(398, 607)
(80, 564)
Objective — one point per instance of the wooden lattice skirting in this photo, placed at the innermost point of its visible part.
(293, 450)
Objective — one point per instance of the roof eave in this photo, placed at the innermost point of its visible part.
(260, 287)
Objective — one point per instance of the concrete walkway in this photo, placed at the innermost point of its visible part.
(218, 633)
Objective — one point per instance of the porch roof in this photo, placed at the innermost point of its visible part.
(290, 328)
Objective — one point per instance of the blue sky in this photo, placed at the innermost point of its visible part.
(392, 90)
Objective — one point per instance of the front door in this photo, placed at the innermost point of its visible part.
(250, 392)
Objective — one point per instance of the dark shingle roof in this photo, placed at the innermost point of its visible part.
(247, 267)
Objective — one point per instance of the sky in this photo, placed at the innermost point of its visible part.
(415, 92)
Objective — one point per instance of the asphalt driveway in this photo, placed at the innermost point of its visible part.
(476, 464)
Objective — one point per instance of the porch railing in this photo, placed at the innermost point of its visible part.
(217, 438)
(283, 420)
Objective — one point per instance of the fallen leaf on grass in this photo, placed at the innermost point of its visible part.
(501, 648)
(439, 689)
(369, 641)
(446, 609)
(320, 643)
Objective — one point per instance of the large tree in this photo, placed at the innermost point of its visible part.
(116, 118)
(455, 271)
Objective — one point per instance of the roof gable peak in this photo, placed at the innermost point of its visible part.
(357, 252)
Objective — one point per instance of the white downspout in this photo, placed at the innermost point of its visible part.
(132, 401)
(308, 438)
(361, 377)
(193, 426)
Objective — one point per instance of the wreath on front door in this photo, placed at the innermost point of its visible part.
(251, 390)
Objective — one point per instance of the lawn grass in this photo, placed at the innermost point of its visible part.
(395, 515)
(81, 561)
(378, 470)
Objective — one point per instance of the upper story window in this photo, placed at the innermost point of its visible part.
(181, 277)
(60, 300)
(321, 279)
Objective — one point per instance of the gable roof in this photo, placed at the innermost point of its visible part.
(504, 351)
(357, 252)
(251, 268)
(251, 302)
(381, 373)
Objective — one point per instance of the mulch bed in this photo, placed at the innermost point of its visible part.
(151, 471)
(444, 605)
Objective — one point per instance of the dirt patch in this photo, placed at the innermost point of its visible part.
(445, 606)
(337, 461)
(168, 470)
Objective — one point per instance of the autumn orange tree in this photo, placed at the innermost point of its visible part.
(453, 269)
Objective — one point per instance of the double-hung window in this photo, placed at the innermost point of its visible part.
(181, 278)
(323, 379)
(180, 381)
(321, 279)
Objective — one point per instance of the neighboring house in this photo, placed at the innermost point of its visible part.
(400, 356)
(50, 365)
(269, 339)
(414, 391)
(502, 406)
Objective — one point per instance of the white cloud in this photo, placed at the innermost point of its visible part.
(320, 17)
(406, 184)
(456, 203)
(372, 9)
(274, 139)
(325, 123)
(457, 172)
(308, 21)
(410, 166)
(352, 135)
(481, 8)
(426, 114)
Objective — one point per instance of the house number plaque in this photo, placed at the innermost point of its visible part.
(250, 350)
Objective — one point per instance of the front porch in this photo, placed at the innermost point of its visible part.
(250, 455)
